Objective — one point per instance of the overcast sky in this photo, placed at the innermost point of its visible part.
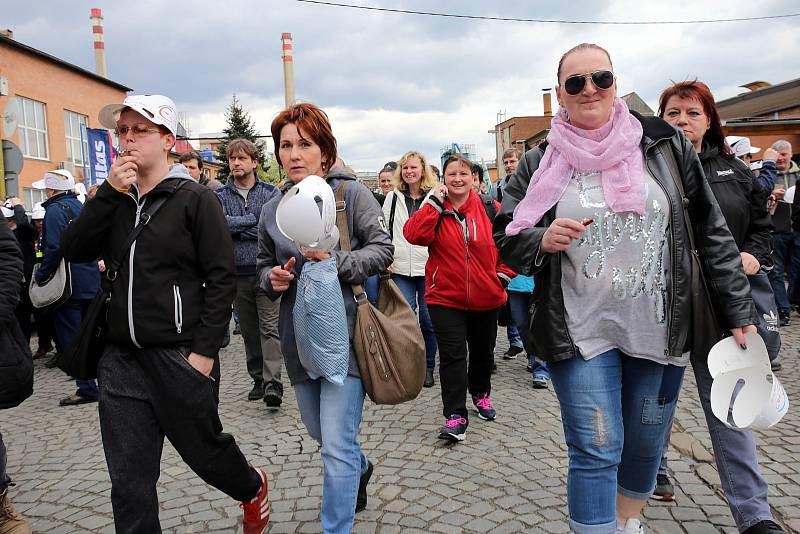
(394, 82)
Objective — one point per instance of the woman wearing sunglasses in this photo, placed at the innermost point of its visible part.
(690, 107)
(596, 215)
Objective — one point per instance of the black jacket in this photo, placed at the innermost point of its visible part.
(26, 237)
(177, 282)
(722, 265)
(742, 201)
(16, 362)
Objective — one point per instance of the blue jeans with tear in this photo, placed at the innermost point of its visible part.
(616, 411)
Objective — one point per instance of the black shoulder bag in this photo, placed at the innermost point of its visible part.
(80, 359)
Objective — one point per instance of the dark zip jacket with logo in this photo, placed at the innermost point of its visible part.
(722, 265)
(742, 201)
(176, 284)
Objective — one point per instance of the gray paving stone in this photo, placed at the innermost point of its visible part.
(508, 476)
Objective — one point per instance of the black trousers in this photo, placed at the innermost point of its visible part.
(461, 370)
(145, 395)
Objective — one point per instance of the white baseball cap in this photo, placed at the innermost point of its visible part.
(158, 109)
(59, 179)
(38, 212)
(741, 145)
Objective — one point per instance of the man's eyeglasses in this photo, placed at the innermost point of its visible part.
(602, 79)
(138, 130)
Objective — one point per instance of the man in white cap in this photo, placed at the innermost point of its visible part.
(764, 171)
(170, 305)
(61, 208)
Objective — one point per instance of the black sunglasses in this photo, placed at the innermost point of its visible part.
(602, 79)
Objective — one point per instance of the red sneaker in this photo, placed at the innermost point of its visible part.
(256, 510)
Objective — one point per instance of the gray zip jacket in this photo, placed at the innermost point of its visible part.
(372, 253)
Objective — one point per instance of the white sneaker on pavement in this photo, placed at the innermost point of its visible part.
(631, 526)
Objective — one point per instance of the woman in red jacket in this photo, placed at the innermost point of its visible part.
(463, 290)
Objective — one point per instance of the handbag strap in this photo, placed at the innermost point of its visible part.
(144, 219)
(391, 215)
(344, 233)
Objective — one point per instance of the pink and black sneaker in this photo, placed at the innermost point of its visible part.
(484, 406)
(454, 428)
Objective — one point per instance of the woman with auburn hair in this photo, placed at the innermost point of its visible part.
(464, 287)
(413, 182)
(596, 215)
(690, 107)
(305, 146)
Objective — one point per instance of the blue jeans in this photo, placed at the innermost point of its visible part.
(514, 337)
(371, 286)
(615, 410)
(786, 259)
(520, 313)
(413, 288)
(66, 321)
(332, 415)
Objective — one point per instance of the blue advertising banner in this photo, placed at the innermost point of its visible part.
(100, 154)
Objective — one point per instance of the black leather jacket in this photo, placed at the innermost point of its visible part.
(728, 285)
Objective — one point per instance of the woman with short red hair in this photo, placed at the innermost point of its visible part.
(305, 146)
(690, 107)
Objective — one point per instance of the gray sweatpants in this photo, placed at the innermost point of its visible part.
(258, 321)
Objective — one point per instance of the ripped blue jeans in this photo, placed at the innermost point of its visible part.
(616, 411)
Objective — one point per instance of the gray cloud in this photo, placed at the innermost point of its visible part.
(394, 82)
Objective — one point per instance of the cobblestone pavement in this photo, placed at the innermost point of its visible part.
(508, 476)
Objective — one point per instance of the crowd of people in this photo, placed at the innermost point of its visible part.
(583, 251)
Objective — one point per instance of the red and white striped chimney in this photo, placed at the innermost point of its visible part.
(288, 68)
(99, 42)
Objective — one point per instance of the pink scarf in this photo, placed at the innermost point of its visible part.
(613, 150)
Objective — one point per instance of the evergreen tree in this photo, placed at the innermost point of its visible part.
(239, 125)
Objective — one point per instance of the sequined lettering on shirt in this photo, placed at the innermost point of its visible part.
(608, 230)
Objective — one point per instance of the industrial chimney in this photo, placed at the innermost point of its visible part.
(288, 68)
(548, 104)
(99, 42)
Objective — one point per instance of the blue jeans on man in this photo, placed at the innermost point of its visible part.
(616, 411)
(332, 416)
(786, 261)
(413, 289)
(66, 322)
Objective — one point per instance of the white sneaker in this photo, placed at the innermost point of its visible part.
(632, 526)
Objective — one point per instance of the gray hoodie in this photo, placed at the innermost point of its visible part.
(372, 253)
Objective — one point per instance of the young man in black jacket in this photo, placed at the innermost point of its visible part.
(170, 304)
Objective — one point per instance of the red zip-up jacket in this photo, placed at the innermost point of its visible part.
(462, 263)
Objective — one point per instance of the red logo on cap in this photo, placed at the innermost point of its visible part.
(167, 112)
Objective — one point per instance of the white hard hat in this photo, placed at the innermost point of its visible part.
(38, 212)
(761, 402)
(307, 214)
(58, 179)
(7, 212)
(741, 145)
(158, 109)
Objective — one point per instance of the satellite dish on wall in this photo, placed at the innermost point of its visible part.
(11, 117)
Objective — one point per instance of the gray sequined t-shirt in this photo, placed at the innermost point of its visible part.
(614, 279)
